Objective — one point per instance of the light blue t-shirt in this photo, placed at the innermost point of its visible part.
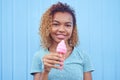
(74, 66)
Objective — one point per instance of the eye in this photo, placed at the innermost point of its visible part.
(68, 25)
(55, 24)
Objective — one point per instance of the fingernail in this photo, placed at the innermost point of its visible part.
(60, 55)
(61, 67)
(64, 57)
(61, 63)
(61, 60)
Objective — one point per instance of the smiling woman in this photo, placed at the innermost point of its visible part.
(50, 19)
(59, 24)
(98, 25)
(62, 26)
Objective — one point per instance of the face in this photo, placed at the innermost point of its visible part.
(62, 26)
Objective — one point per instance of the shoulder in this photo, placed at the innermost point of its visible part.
(37, 64)
(85, 58)
(40, 53)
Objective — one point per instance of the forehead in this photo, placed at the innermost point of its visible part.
(63, 16)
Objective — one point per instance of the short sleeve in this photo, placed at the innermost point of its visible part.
(87, 65)
(36, 64)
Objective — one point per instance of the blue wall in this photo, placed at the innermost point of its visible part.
(99, 31)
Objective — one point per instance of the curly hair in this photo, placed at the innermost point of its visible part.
(46, 23)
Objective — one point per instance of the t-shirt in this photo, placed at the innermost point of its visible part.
(74, 66)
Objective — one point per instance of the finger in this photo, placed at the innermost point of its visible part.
(56, 54)
(47, 65)
(62, 55)
(55, 57)
(53, 62)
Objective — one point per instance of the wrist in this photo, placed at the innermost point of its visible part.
(45, 72)
(45, 75)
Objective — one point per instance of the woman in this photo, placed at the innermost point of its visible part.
(59, 23)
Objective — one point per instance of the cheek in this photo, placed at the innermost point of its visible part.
(70, 33)
(52, 32)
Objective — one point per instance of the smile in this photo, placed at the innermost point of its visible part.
(61, 36)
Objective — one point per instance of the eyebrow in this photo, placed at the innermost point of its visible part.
(59, 22)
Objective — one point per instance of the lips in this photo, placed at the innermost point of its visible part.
(60, 36)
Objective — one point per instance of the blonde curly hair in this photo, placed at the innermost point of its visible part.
(46, 23)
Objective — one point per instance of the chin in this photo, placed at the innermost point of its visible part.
(58, 40)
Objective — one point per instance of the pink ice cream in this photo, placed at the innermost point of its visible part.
(61, 49)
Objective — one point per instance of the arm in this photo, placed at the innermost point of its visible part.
(37, 76)
(87, 76)
(41, 76)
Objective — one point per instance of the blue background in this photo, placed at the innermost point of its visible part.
(98, 26)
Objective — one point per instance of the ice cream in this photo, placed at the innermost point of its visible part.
(61, 49)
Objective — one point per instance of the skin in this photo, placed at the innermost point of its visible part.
(62, 27)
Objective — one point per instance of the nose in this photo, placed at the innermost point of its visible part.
(62, 28)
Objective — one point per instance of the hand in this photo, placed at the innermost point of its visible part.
(50, 61)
